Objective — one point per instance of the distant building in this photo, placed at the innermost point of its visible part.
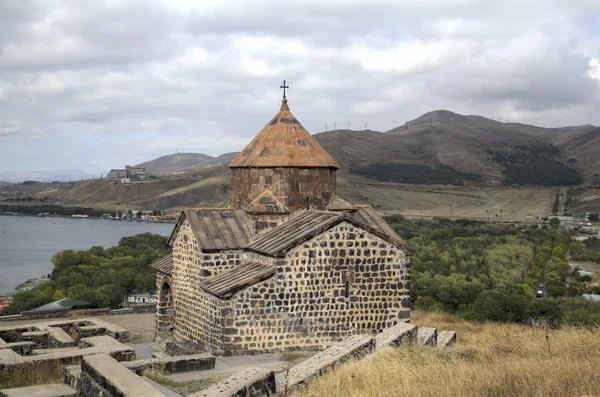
(128, 172)
(592, 297)
(141, 299)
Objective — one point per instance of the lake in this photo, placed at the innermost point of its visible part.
(28, 243)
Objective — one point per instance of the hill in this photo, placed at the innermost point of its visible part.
(172, 163)
(467, 144)
(435, 151)
(223, 159)
(489, 359)
(5, 183)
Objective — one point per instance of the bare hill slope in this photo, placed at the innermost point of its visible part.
(466, 143)
(583, 145)
(174, 162)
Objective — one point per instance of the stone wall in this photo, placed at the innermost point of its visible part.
(290, 186)
(263, 222)
(340, 283)
(61, 313)
(198, 317)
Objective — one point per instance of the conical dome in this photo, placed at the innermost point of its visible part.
(283, 143)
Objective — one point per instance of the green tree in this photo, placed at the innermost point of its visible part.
(554, 285)
(554, 223)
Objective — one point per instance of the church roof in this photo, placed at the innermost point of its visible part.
(266, 203)
(164, 264)
(283, 143)
(225, 284)
(218, 228)
(371, 218)
(338, 204)
(279, 240)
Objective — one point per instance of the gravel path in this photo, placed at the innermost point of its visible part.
(140, 326)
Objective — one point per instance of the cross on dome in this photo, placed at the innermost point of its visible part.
(284, 87)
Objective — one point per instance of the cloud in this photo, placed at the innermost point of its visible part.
(100, 83)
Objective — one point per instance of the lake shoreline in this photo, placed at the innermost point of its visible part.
(82, 217)
(27, 243)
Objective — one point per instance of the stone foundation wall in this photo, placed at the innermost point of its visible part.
(290, 186)
(340, 283)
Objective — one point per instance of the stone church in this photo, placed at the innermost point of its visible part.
(288, 265)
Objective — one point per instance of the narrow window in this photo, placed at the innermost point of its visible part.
(347, 291)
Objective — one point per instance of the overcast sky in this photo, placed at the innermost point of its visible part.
(93, 85)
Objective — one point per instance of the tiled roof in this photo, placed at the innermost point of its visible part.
(164, 264)
(368, 216)
(279, 240)
(338, 204)
(65, 303)
(218, 228)
(283, 143)
(266, 203)
(225, 284)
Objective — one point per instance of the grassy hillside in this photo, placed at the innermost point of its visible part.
(496, 360)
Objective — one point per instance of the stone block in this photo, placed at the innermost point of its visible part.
(114, 331)
(110, 375)
(182, 348)
(71, 375)
(446, 338)
(21, 348)
(58, 338)
(57, 390)
(396, 335)
(40, 338)
(250, 382)
(354, 347)
(173, 365)
(427, 336)
(38, 352)
(91, 330)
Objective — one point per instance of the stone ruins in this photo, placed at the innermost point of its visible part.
(288, 265)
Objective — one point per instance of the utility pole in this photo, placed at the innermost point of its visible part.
(365, 126)
(334, 126)
(348, 126)
(325, 127)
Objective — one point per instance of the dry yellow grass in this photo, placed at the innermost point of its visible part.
(23, 376)
(488, 360)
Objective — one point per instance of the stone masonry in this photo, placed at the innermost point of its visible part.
(288, 265)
